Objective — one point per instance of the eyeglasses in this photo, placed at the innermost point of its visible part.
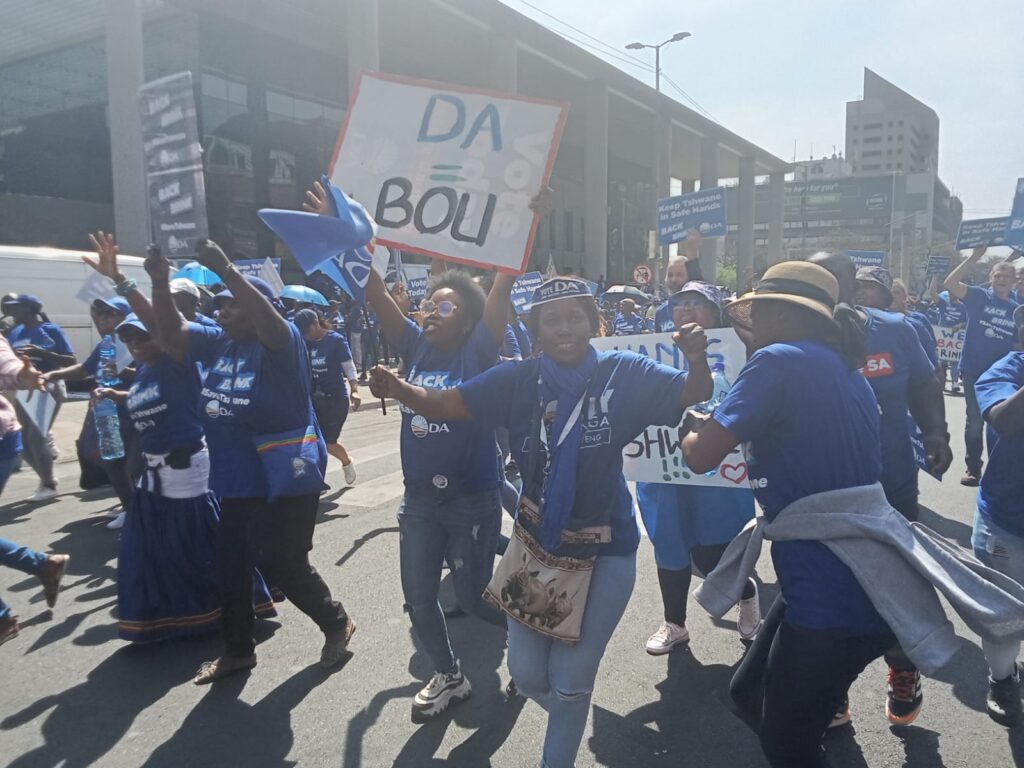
(443, 308)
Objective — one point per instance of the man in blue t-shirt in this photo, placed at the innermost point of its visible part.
(628, 321)
(998, 536)
(990, 336)
(946, 311)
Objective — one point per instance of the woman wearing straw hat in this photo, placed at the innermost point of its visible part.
(569, 571)
(810, 424)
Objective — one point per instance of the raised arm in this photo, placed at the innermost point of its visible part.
(693, 343)
(106, 265)
(169, 327)
(271, 329)
(389, 314)
(496, 308)
(435, 404)
(954, 283)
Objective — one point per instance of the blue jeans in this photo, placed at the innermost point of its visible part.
(7, 464)
(974, 431)
(561, 677)
(434, 526)
(20, 558)
(1002, 551)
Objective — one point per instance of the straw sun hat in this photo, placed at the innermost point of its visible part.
(796, 282)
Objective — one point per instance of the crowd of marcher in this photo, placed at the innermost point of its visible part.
(232, 401)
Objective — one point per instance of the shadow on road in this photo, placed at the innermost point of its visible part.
(363, 540)
(953, 530)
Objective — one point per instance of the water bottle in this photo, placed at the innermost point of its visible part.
(108, 423)
(720, 385)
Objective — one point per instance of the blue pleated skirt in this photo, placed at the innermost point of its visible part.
(167, 584)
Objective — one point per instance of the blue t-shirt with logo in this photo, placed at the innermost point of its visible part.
(637, 393)
(163, 403)
(248, 390)
(47, 336)
(990, 330)
(625, 326)
(663, 319)
(895, 362)
(458, 455)
(1001, 494)
(326, 357)
(949, 313)
(810, 425)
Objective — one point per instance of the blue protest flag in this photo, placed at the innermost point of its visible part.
(1015, 225)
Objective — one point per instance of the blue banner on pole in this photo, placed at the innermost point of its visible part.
(416, 287)
(981, 232)
(252, 267)
(522, 290)
(867, 258)
(1015, 226)
(703, 210)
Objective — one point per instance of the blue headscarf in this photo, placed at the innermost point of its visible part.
(567, 385)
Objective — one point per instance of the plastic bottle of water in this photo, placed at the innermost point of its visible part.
(720, 386)
(108, 424)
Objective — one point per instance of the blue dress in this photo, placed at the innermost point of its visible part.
(167, 576)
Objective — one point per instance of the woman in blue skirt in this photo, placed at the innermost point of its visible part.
(167, 579)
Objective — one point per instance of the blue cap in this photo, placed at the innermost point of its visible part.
(24, 298)
(117, 303)
(706, 290)
(132, 321)
(558, 288)
(260, 285)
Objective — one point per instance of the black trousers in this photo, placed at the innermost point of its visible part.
(277, 538)
(792, 680)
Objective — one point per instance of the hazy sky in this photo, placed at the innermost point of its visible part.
(775, 72)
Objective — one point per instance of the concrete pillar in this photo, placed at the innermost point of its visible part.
(745, 233)
(595, 181)
(362, 38)
(127, 162)
(709, 178)
(504, 56)
(776, 217)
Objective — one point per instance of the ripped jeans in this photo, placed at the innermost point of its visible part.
(561, 677)
(435, 526)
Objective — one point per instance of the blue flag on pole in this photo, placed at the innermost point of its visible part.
(335, 245)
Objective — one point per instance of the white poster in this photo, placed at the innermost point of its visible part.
(40, 407)
(446, 170)
(656, 456)
(949, 344)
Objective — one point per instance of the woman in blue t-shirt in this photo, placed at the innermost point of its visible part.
(693, 523)
(809, 424)
(588, 405)
(266, 455)
(167, 558)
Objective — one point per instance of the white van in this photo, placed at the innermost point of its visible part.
(65, 285)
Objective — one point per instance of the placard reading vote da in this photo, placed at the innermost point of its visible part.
(448, 171)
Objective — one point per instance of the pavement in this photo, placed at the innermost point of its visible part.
(73, 694)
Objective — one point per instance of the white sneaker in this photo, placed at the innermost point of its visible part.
(43, 493)
(749, 623)
(667, 637)
(443, 690)
(350, 472)
(115, 512)
(117, 522)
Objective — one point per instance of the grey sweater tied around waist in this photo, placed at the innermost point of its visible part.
(902, 567)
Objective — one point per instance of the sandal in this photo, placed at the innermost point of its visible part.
(336, 645)
(222, 667)
(8, 628)
(54, 570)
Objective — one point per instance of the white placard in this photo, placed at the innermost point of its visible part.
(448, 171)
(656, 456)
(40, 407)
(949, 344)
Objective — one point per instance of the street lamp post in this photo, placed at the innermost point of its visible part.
(657, 54)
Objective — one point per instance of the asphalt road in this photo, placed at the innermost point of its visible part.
(73, 694)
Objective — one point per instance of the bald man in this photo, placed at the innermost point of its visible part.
(681, 270)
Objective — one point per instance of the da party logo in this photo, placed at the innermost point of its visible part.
(420, 427)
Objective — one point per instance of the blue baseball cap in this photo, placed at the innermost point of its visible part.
(117, 303)
(259, 284)
(559, 288)
(705, 290)
(132, 321)
(25, 299)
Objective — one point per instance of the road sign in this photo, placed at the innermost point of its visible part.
(642, 274)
